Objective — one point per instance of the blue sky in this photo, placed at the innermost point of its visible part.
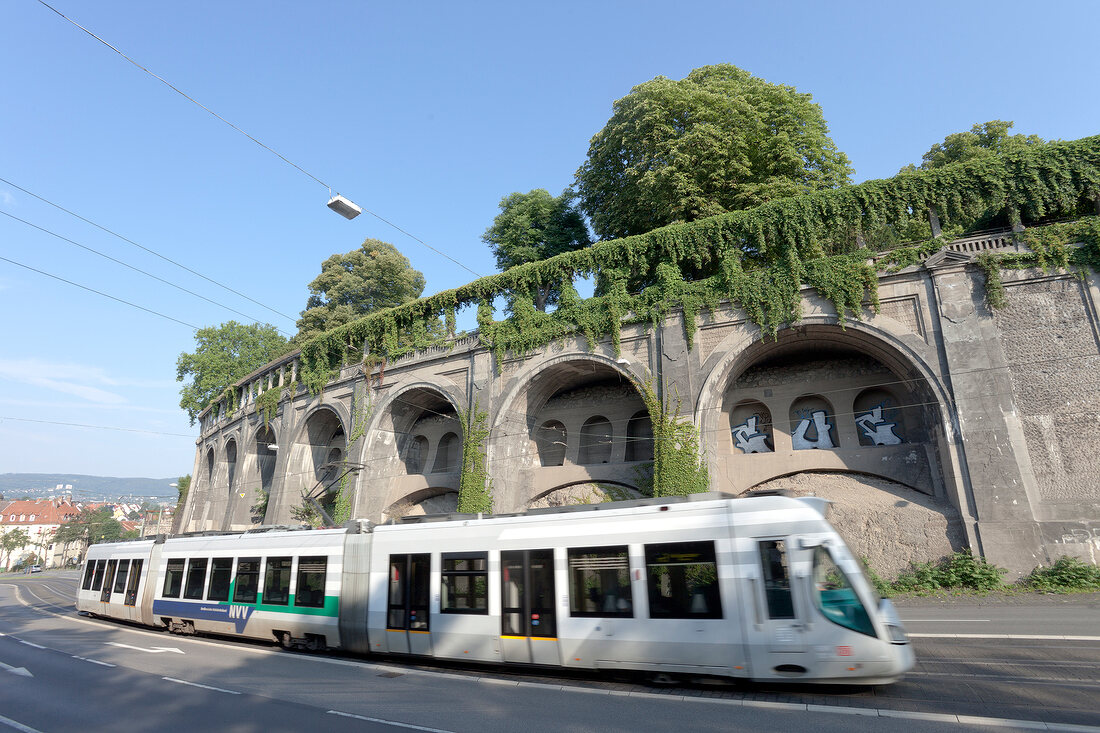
(425, 114)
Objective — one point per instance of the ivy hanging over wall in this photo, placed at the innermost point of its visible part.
(759, 259)
(475, 488)
(361, 409)
(678, 466)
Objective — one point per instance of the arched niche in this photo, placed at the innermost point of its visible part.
(416, 454)
(751, 427)
(813, 424)
(425, 502)
(265, 448)
(551, 440)
(447, 454)
(639, 437)
(880, 417)
(588, 492)
(595, 441)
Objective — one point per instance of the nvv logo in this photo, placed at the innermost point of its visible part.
(239, 615)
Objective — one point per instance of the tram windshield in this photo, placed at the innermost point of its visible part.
(835, 596)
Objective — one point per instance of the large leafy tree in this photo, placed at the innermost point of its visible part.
(984, 140)
(351, 285)
(91, 527)
(718, 140)
(224, 354)
(534, 226)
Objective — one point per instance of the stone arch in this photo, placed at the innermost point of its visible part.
(886, 522)
(232, 480)
(596, 438)
(841, 364)
(562, 393)
(432, 500)
(639, 437)
(585, 492)
(256, 478)
(417, 409)
(415, 454)
(309, 469)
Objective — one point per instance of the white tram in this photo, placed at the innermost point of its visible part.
(761, 588)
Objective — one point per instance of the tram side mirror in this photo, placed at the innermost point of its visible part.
(808, 543)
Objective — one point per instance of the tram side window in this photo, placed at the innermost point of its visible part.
(248, 580)
(97, 579)
(173, 579)
(221, 575)
(120, 576)
(89, 574)
(132, 584)
(683, 580)
(108, 579)
(777, 578)
(196, 577)
(599, 582)
(465, 582)
(277, 581)
(310, 592)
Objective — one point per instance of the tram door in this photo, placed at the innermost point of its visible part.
(778, 633)
(528, 623)
(407, 612)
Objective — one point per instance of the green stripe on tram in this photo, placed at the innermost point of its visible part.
(331, 607)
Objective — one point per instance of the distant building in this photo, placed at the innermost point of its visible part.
(40, 518)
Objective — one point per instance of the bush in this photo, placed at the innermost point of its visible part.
(958, 570)
(1067, 573)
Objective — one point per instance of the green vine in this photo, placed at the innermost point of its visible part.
(678, 466)
(360, 414)
(759, 259)
(475, 488)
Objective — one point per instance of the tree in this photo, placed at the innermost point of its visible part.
(223, 355)
(11, 541)
(351, 285)
(718, 140)
(535, 226)
(91, 527)
(985, 140)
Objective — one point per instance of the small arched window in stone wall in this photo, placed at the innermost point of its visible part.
(813, 423)
(595, 445)
(879, 418)
(751, 428)
(415, 455)
(446, 454)
(550, 439)
(210, 467)
(231, 460)
(639, 438)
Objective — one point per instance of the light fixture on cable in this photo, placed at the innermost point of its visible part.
(344, 207)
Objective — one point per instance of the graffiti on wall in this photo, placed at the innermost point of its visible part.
(875, 427)
(749, 439)
(1081, 536)
(824, 441)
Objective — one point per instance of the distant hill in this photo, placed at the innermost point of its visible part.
(88, 488)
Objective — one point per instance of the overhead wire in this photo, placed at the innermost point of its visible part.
(250, 137)
(150, 251)
(135, 269)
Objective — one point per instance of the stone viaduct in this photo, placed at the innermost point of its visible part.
(935, 424)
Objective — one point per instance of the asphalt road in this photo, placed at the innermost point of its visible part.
(63, 672)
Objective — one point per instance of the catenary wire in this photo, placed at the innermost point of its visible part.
(265, 147)
(146, 249)
(99, 292)
(135, 269)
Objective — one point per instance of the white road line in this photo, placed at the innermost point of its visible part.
(389, 722)
(205, 687)
(95, 661)
(17, 725)
(947, 620)
(1034, 637)
(31, 643)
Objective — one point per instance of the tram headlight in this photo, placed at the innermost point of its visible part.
(897, 634)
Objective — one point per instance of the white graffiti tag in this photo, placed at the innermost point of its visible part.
(875, 427)
(746, 437)
(799, 441)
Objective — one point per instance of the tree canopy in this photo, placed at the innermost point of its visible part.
(370, 278)
(718, 140)
(91, 527)
(11, 541)
(535, 226)
(224, 354)
(984, 140)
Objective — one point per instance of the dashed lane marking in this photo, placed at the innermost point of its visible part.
(205, 687)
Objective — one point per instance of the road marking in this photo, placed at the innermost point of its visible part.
(18, 726)
(94, 661)
(1034, 637)
(31, 643)
(948, 620)
(151, 650)
(389, 722)
(21, 671)
(205, 687)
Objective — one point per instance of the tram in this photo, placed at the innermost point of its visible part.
(761, 588)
